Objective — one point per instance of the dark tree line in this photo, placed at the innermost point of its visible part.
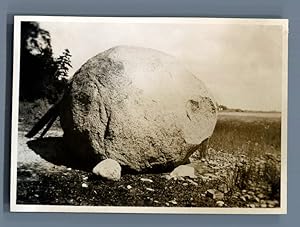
(41, 75)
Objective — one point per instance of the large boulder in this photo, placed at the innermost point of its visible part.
(138, 106)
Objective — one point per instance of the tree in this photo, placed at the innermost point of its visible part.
(38, 67)
(63, 64)
(37, 63)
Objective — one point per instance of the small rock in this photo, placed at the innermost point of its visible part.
(192, 182)
(167, 177)
(84, 185)
(185, 184)
(150, 189)
(155, 201)
(244, 191)
(203, 160)
(243, 198)
(183, 171)
(70, 201)
(146, 180)
(85, 178)
(248, 197)
(168, 204)
(220, 203)
(261, 195)
(69, 169)
(210, 192)
(129, 187)
(251, 205)
(214, 194)
(173, 202)
(263, 205)
(256, 199)
(272, 203)
(36, 195)
(108, 169)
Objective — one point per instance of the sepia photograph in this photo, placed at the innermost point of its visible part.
(149, 115)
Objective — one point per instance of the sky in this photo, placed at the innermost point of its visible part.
(240, 64)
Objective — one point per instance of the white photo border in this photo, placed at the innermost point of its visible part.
(14, 207)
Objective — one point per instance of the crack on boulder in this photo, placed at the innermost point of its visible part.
(107, 133)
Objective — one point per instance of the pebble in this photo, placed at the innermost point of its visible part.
(192, 182)
(84, 185)
(85, 178)
(215, 194)
(69, 169)
(70, 201)
(261, 196)
(252, 205)
(263, 205)
(256, 199)
(248, 197)
(173, 202)
(129, 187)
(243, 198)
(150, 189)
(146, 180)
(168, 204)
(220, 203)
(185, 184)
(167, 177)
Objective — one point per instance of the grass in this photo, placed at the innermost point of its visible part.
(257, 143)
(250, 137)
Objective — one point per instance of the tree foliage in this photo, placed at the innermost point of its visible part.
(38, 67)
(63, 65)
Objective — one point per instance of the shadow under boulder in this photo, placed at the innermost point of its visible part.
(53, 150)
